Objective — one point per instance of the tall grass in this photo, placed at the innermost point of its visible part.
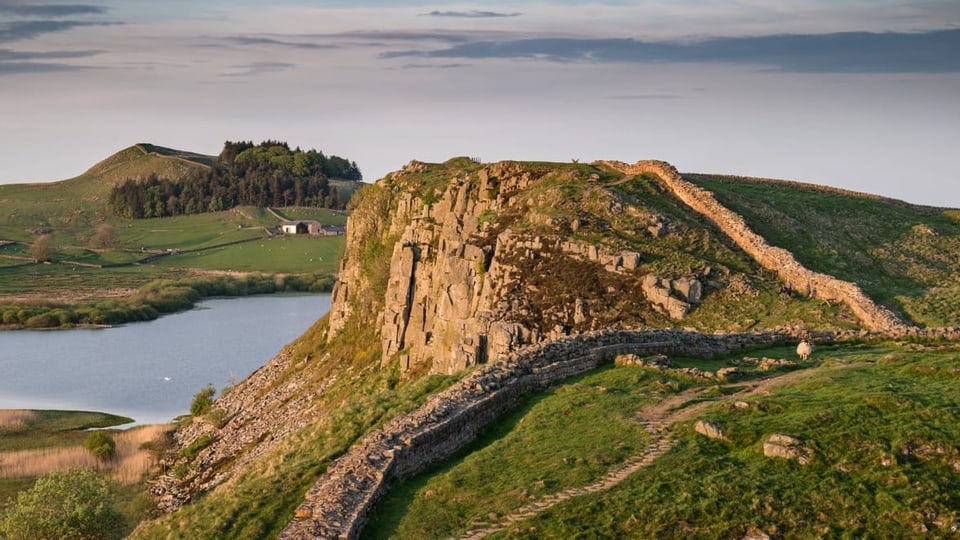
(15, 419)
(129, 466)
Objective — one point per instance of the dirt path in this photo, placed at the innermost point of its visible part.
(656, 420)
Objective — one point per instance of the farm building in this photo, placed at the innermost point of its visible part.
(310, 227)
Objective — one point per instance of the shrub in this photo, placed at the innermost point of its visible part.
(202, 400)
(63, 504)
(101, 445)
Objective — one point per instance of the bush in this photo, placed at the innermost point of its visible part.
(202, 400)
(101, 445)
(63, 504)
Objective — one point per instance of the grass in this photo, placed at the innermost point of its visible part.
(882, 421)
(323, 215)
(72, 210)
(566, 437)
(901, 255)
(273, 255)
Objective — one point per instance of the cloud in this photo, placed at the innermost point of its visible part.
(248, 40)
(6, 55)
(475, 14)
(259, 68)
(849, 52)
(19, 62)
(433, 66)
(18, 30)
(399, 35)
(50, 10)
(18, 68)
(631, 97)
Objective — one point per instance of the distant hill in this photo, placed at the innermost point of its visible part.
(143, 159)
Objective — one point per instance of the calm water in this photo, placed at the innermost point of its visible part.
(150, 371)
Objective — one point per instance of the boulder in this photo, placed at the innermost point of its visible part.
(787, 447)
(709, 430)
(688, 289)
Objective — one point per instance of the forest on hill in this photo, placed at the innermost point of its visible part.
(265, 174)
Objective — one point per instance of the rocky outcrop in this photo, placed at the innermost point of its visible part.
(673, 297)
(255, 414)
(461, 287)
(779, 260)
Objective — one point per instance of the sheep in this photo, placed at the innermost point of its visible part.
(804, 349)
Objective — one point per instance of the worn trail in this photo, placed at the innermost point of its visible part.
(656, 420)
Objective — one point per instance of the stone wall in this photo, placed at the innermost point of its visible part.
(779, 260)
(337, 506)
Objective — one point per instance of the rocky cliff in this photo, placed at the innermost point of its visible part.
(486, 258)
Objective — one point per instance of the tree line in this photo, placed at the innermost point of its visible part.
(266, 174)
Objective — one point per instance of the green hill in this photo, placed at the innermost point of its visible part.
(74, 207)
(453, 271)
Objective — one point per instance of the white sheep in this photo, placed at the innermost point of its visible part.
(804, 349)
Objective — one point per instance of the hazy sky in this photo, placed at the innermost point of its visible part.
(862, 94)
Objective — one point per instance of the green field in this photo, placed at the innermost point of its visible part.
(270, 255)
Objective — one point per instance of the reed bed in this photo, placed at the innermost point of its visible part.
(129, 466)
(12, 420)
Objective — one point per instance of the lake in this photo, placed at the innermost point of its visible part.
(150, 371)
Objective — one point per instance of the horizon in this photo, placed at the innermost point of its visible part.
(746, 90)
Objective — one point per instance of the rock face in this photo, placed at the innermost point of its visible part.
(465, 287)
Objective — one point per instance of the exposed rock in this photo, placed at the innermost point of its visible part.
(689, 289)
(728, 372)
(709, 430)
(658, 291)
(787, 447)
(770, 364)
(579, 311)
(755, 533)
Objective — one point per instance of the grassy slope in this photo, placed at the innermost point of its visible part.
(906, 257)
(890, 402)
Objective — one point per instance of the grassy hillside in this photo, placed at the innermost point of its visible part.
(904, 256)
(880, 420)
(74, 207)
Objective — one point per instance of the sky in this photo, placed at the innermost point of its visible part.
(858, 94)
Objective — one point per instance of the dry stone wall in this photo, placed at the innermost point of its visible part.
(337, 506)
(779, 260)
